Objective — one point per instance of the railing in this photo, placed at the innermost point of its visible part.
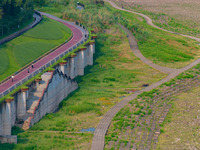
(45, 65)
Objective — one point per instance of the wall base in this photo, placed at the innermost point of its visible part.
(8, 139)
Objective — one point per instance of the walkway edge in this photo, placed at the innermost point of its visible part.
(102, 127)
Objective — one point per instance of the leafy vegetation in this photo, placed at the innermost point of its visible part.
(163, 48)
(148, 113)
(14, 14)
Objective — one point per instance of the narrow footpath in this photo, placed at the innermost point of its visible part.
(102, 127)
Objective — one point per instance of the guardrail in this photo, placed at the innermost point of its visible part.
(45, 65)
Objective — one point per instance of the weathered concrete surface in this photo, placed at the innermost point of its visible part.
(8, 139)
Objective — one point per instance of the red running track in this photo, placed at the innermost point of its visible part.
(77, 36)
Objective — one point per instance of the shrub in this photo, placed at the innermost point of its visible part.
(149, 111)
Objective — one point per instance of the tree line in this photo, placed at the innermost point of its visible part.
(14, 14)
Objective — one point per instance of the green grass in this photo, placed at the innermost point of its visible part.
(30, 51)
(49, 30)
(48, 140)
(98, 91)
(182, 109)
(32, 44)
(173, 22)
(163, 48)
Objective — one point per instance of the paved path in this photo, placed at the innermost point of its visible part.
(134, 47)
(101, 129)
(77, 37)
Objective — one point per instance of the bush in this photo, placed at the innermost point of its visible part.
(149, 111)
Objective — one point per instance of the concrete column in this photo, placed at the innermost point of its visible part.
(63, 67)
(1, 120)
(90, 53)
(7, 118)
(93, 48)
(67, 68)
(86, 57)
(21, 103)
(76, 66)
(72, 66)
(81, 61)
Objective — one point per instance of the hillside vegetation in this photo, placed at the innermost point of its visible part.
(14, 15)
(175, 15)
(116, 73)
(32, 44)
(162, 48)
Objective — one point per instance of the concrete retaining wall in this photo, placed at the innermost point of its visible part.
(59, 87)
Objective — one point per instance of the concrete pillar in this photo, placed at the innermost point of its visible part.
(86, 57)
(14, 110)
(21, 103)
(76, 66)
(63, 67)
(81, 62)
(7, 117)
(90, 53)
(1, 119)
(72, 66)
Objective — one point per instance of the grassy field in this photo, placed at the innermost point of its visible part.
(116, 72)
(182, 131)
(139, 124)
(32, 44)
(162, 48)
(113, 74)
(175, 15)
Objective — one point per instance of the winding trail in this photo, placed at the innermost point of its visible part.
(102, 127)
(134, 47)
(78, 36)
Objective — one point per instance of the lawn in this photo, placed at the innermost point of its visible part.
(32, 44)
(115, 72)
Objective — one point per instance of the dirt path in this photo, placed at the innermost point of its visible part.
(102, 127)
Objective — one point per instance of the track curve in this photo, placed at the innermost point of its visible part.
(102, 127)
(78, 35)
